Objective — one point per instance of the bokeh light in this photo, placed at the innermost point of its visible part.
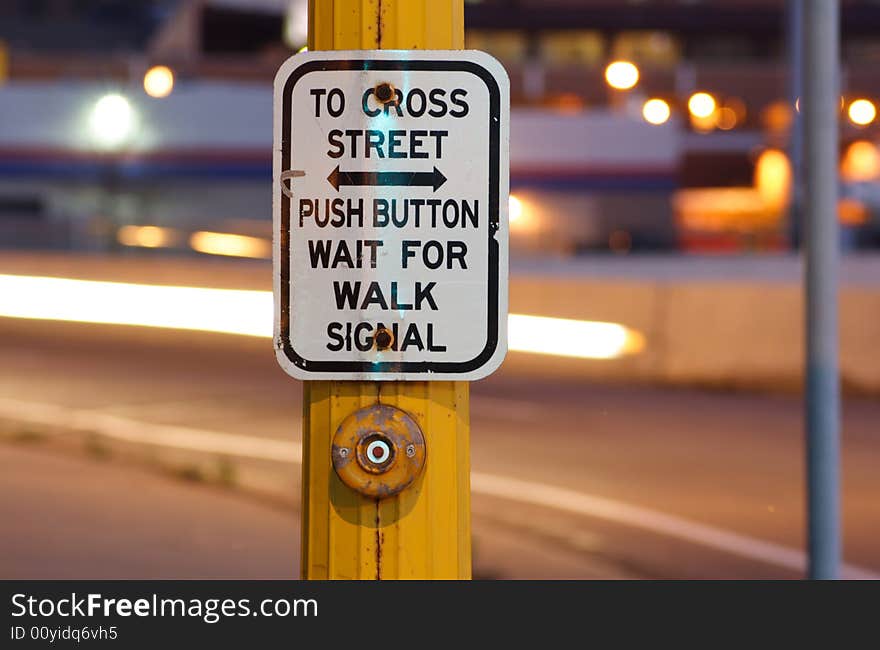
(146, 236)
(777, 117)
(112, 121)
(773, 178)
(296, 23)
(159, 81)
(515, 209)
(701, 105)
(726, 118)
(232, 245)
(622, 75)
(861, 162)
(862, 112)
(656, 111)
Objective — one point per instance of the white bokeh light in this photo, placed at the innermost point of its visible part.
(296, 23)
(656, 111)
(622, 75)
(112, 121)
(515, 209)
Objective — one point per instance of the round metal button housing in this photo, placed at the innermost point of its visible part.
(378, 451)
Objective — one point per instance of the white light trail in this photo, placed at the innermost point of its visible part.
(250, 313)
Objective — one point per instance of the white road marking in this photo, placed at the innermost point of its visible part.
(538, 494)
(541, 494)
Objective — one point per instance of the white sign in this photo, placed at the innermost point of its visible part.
(390, 209)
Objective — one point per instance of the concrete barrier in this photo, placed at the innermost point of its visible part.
(726, 322)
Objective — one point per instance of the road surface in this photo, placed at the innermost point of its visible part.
(732, 462)
(72, 518)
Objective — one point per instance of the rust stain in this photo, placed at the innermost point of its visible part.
(379, 540)
(379, 25)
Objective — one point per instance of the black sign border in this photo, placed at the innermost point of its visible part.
(414, 367)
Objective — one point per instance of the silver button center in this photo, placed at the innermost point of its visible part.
(378, 451)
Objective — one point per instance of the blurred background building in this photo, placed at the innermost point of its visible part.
(647, 125)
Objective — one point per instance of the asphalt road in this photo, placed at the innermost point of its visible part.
(71, 518)
(731, 461)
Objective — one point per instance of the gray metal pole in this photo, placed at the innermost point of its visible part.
(794, 33)
(820, 108)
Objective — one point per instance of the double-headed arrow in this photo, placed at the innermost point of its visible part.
(340, 178)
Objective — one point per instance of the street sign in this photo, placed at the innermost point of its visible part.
(390, 210)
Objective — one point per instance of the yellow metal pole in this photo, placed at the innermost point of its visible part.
(424, 531)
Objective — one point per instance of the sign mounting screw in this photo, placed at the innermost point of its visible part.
(385, 93)
(384, 339)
